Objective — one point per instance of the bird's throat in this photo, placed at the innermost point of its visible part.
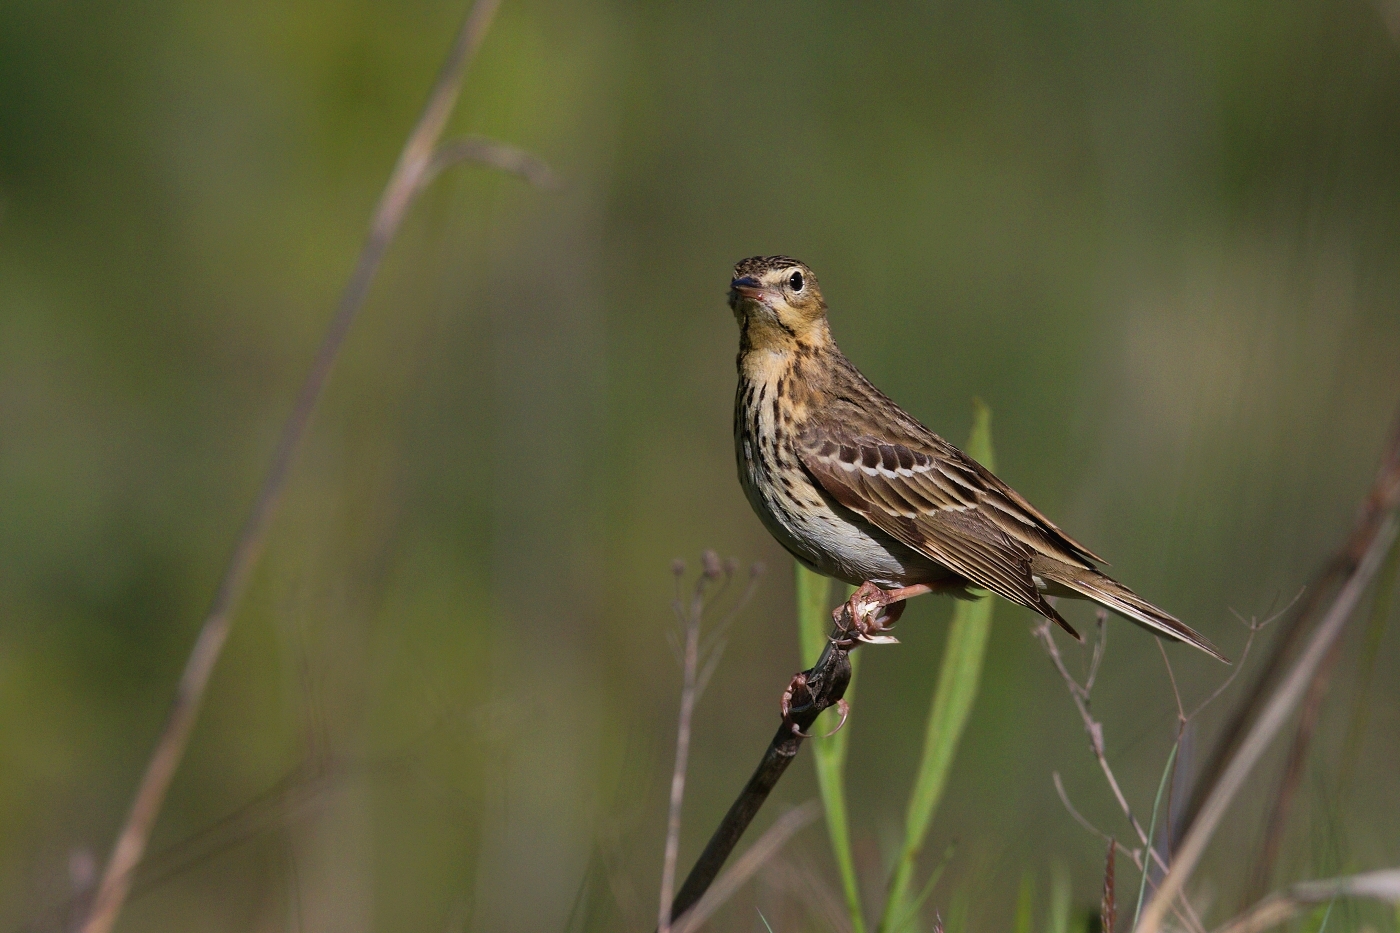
(766, 348)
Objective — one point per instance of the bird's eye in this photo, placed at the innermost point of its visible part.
(795, 281)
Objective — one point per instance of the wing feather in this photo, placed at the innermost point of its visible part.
(931, 510)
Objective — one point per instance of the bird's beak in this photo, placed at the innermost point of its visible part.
(745, 286)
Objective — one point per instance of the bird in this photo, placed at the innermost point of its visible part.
(856, 488)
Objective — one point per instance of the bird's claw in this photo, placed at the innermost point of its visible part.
(798, 682)
(877, 639)
(867, 617)
(844, 709)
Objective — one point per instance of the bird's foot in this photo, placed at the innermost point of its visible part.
(871, 613)
(796, 688)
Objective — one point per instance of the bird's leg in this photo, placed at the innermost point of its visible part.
(872, 611)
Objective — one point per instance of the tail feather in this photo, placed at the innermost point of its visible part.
(1114, 596)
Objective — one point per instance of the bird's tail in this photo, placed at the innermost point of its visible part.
(1112, 595)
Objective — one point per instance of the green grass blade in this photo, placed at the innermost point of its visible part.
(1025, 903)
(829, 754)
(1152, 832)
(933, 877)
(1061, 897)
(958, 681)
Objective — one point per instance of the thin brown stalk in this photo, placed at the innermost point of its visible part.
(404, 183)
(1108, 908)
(1171, 676)
(1271, 720)
(1134, 855)
(1078, 817)
(1385, 495)
(1255, 627)
(1184, 718)
(698, 659)
(1080, 694)
(1292, 776)
(747, 865)
(673, 820)
(1092, 726)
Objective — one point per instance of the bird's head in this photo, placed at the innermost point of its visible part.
(777, 302)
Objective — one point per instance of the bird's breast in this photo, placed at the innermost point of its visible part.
(815, 529)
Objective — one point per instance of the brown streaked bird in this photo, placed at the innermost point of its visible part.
(857, 489)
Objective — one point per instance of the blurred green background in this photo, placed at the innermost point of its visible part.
(1161, 240)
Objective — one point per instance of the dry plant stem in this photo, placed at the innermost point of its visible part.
(748, 864)
(825, 684)
(1292, 774)
(1278, 908)
(1134, 855)
(1108, 907)
(1080, 694)
(1384, 497)
(673, 821)
(1270, 721)
(495, 154)
(1292, 777)
(403, 184)
(1092, 726)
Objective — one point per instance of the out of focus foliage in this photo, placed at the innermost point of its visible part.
(1161, 240)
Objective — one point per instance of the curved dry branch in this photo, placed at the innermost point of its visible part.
(404, 183)
(494, 154)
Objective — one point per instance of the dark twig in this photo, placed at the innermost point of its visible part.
(404, 183)
(823, 686)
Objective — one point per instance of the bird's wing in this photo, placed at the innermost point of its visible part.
(934, 500)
